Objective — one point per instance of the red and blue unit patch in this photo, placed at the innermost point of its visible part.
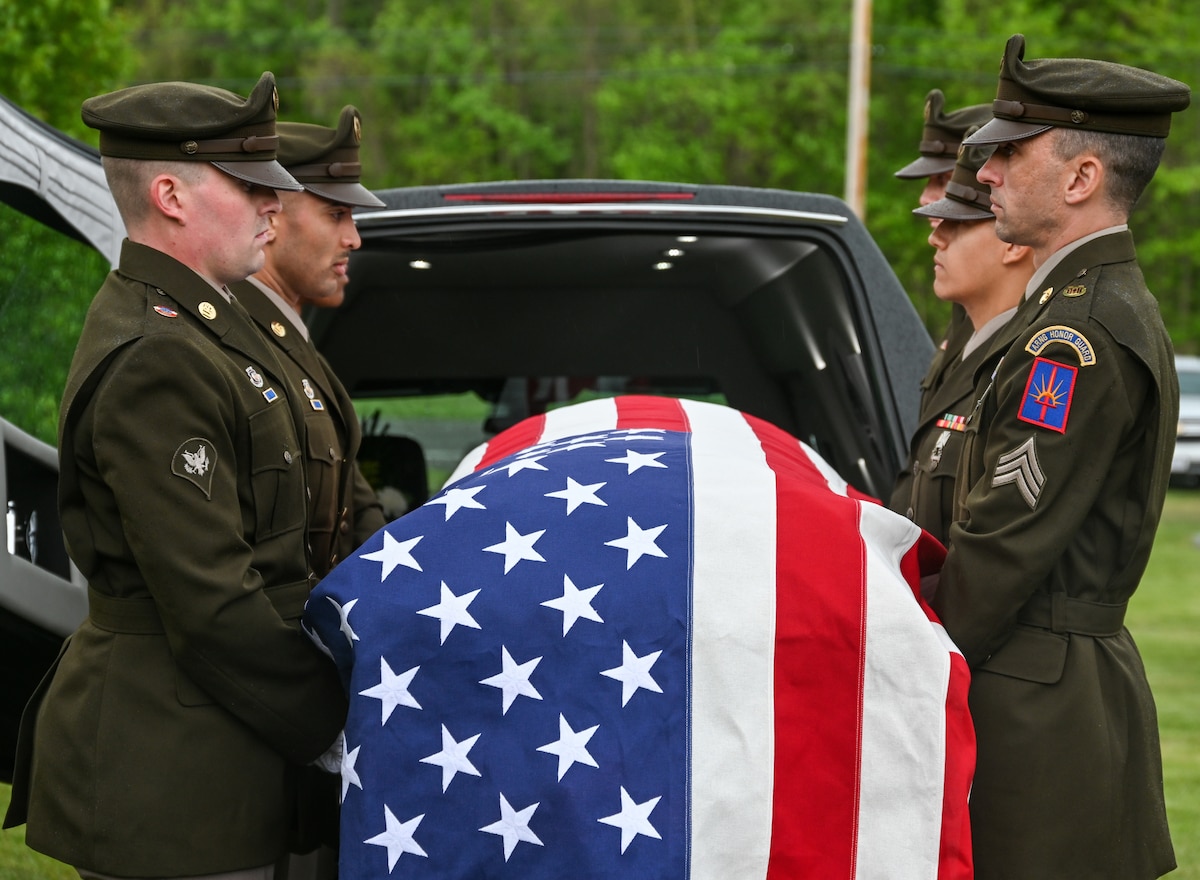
(1047, 399)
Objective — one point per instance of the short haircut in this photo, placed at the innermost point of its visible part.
(128, 180)
(1130, 160)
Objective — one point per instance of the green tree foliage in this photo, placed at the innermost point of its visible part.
(52, 54)
(915, 53)
(46, 283)
(749, 92)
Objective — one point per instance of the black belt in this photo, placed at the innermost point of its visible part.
(1061, 613)
(139, 615)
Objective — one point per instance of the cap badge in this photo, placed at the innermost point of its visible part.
(255, 378)
(275, 99)
(278, 329)
(357, 130)
(190, 147)
(208, 310)
(1078, 117)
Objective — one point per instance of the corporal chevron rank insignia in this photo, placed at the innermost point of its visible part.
(1047, 399)
(1021, 468)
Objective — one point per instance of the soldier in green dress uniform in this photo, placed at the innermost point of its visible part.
(986, 277)
(168, 738)
(307, 264)
(1065, 467)
(942, 132)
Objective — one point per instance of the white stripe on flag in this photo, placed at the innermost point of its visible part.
(904, 722)
(733, 591)
(832, 478)
(588, 418)
(468, 464)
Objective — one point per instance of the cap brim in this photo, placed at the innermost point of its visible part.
(952, 209)
(926, 166)
(269, 173)
(354, 194)
(1001, 131)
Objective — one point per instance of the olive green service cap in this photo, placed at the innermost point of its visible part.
(1035, 96)
(180, 121)
(941, 136)
(966, 198)
(325, 160)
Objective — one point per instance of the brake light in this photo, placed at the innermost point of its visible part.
(568, 198)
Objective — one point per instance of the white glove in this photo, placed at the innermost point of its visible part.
(331, 761)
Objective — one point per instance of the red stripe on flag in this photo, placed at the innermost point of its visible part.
(651, 412)
(818, 674)
(519, 436)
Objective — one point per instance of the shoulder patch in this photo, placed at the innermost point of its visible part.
(1064, 335)
(1047, 399)
(195, 460)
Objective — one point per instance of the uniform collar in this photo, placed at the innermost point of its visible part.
(1043, 271)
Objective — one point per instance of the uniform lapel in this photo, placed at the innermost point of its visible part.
(290, 343)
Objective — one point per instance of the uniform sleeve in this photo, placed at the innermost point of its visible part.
(1047, 451)
(188, 522)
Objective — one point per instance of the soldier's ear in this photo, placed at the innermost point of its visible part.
(1086, 179)
(166, 196)
(1016, 253)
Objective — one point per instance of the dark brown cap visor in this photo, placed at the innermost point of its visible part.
(270, 174)
(1001, 131)
(926, 166)
(353, 194)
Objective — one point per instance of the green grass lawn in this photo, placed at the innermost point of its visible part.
(1165, 620)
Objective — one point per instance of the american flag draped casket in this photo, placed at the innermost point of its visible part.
(647, 638)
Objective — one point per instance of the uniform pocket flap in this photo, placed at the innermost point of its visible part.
(1031, 654)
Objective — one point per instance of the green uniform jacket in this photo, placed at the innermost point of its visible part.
(1066, 465)
(343, 509)
(166, 741)
(925, 491)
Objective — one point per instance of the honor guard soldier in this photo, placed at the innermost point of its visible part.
(307, 261)
(941, 136)
(307, 264)
(168, 737)
(1065, 467)
(986, 277)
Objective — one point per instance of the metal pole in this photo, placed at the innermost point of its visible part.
(858, 104)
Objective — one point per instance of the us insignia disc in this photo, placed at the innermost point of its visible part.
(208, 310)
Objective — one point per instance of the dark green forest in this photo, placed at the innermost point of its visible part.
(748, 92)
